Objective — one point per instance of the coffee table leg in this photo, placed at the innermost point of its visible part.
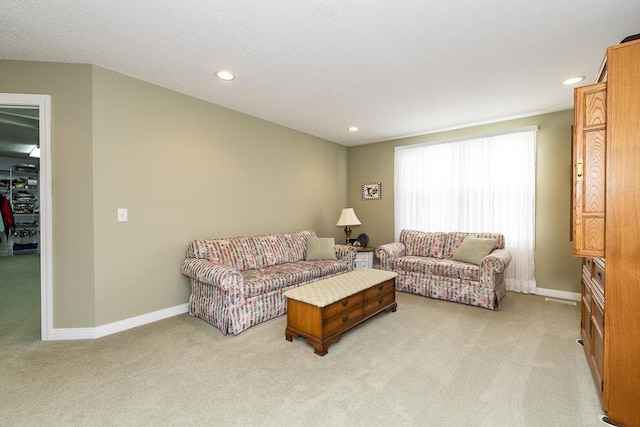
(318, 348)
(288, 335)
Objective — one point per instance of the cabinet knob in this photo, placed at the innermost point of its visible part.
(345, 302)
(345, 318)
(579, 170)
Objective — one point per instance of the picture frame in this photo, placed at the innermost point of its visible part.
(372, 191)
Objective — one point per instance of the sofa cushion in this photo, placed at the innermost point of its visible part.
(320, 248)
(270, 250)
(246, 253)
(282, 276)
(267, 279)
(455, 239)
(457, 270)
(416, 264)
(315, 270)
(237, 252)
(422, 243)
(297, 243)
(436, 267)
(473, 249)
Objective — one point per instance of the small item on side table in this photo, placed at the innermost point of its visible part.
(363, 239)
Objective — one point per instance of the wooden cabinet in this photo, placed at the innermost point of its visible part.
(607, 226)
(592, 319)
(622, 237)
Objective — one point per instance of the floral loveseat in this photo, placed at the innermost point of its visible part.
(238, 282)
(434, 264)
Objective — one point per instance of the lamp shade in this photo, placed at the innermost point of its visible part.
(348, 217)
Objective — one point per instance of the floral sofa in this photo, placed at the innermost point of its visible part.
(432, 264)
(238, 282)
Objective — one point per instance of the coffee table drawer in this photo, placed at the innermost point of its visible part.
(379, 289)
(380, 302)
(342, 321)
(343, 305)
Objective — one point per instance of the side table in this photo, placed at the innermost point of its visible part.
(364, 257)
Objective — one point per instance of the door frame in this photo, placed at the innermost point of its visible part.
(43, 103)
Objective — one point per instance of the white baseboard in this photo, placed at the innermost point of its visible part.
(59, 334)
(570, 296)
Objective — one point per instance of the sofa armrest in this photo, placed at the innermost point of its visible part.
(497, 261)
(388, 252)
(222, 276)
(347, 253)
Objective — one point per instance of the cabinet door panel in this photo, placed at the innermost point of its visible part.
(593, 234)
(589, 157)
(593, 181)
(595, 108)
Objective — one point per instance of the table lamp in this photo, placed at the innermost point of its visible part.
(347, 219)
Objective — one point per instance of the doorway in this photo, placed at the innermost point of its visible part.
(40, 104)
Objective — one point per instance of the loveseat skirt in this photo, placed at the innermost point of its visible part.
(451, 289)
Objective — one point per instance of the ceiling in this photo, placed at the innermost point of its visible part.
(392, 68)
(19, 131)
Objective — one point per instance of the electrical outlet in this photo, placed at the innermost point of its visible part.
(122, 214)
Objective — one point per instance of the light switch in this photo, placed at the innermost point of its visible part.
(122, 214)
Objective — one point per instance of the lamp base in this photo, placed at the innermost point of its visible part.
(347, 232)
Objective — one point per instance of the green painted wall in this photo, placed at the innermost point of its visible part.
(187, 169)
(184, 168)
(72, 180)
(555, 266)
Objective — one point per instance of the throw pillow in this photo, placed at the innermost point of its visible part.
(320, 248)
(473, 249)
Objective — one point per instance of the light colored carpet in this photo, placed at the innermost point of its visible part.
(431, 363)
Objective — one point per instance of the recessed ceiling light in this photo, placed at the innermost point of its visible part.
(225, 75)
(573, 80)
(353, 128)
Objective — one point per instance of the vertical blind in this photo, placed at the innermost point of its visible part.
(480, 184)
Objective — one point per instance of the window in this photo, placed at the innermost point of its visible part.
(479, 184)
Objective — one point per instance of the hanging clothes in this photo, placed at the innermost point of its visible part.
(7, 216)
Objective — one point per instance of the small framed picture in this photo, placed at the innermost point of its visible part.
(372, 191)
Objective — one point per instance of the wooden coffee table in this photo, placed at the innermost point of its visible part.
(322, 311)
